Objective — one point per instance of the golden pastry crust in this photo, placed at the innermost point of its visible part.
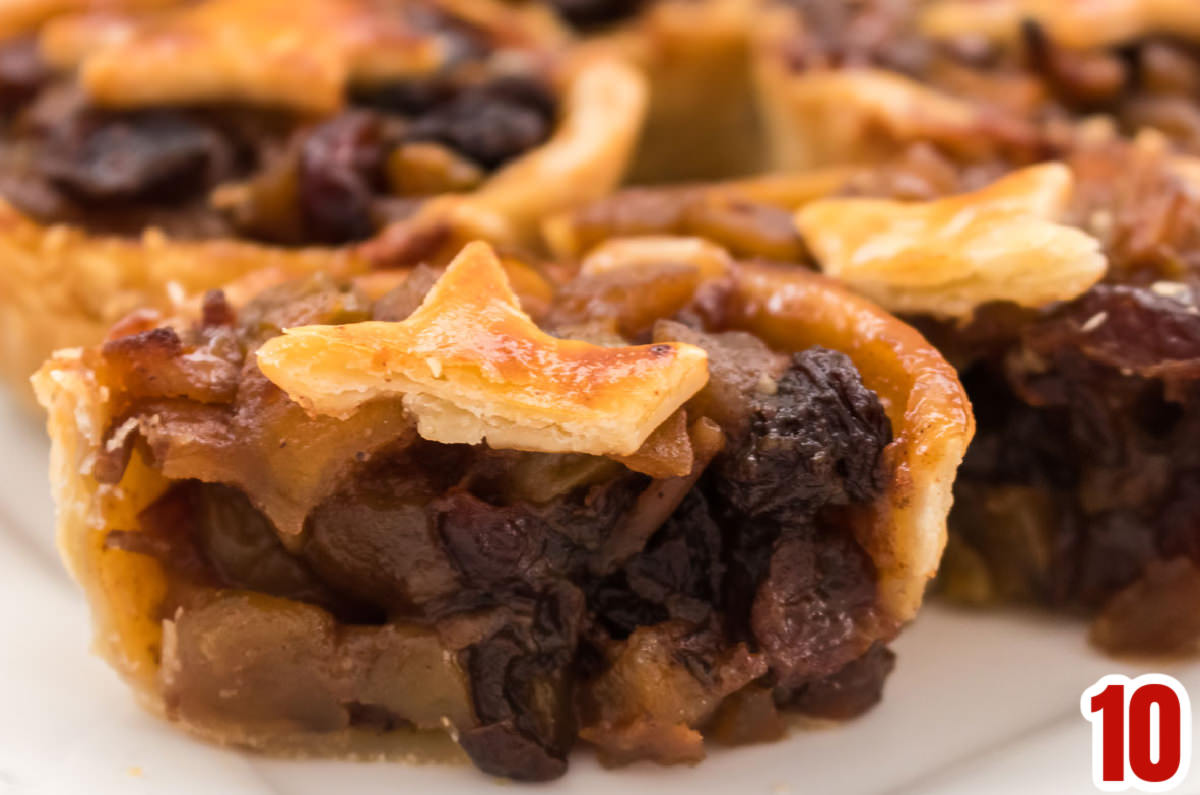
(297, 54)
(931, 417)
(24, 16)
(703, 119)
(473, 367)
(604, 102)
(857, 115)
(124, 590)
(62, 288)
(947, 257)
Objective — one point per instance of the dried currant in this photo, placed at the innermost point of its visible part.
(491, 123)
(341, 165)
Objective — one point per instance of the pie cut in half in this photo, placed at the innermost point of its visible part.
(643, 508)
(307, 122)
(1064, 294)
(859, 81)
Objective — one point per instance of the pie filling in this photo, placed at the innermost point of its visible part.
(328, 574)
(1081, 487)
(263, 173)
(1145, 81)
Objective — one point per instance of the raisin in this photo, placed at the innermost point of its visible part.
(412, 97)
(679, 574)
(807, 614)
(491, 123)
(1113, 549)
(1134, 329)
(815, 442)
(1092, 408)
(585, 14)
(157, 155)
(848, 693)
(521, 689)
(490, 544)
(22, 72)
(341, 167)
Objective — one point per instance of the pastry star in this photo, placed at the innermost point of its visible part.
(472, 367)
(949, 256)
(22, 16)
(292, 53)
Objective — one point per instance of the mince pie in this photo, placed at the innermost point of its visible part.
(641, 508)
(860, 80)
(137, 144)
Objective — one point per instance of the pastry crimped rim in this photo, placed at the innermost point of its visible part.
(122, 588)
(932, 422)
(604, 101)
(904, 530)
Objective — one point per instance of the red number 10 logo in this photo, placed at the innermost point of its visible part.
(1141, 732)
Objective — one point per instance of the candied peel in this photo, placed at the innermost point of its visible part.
(949, 256)
(472, 366)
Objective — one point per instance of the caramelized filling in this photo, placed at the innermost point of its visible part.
(329, 574)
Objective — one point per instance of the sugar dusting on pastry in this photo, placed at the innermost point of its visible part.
(495, 376)
(949, 256)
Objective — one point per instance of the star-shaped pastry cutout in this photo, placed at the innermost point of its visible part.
(22, 16)
(297, 54)
(949, 256)
(473, 367)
